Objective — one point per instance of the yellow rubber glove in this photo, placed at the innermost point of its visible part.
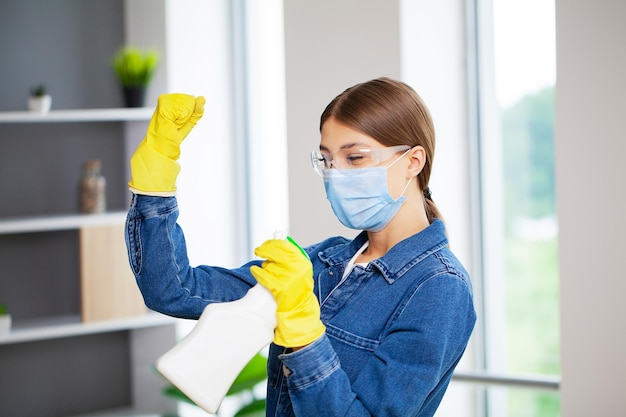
(153, 166)
(288, 275)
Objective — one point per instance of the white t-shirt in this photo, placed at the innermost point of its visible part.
(352, 261)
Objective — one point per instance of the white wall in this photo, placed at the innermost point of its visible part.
(196, 58)
(329, 46)
(590, 172)
(434, 63)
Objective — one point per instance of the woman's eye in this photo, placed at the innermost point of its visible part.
(355, 159)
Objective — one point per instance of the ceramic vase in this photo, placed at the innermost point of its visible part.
(40, 104)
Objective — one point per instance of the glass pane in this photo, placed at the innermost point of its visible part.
(522, 402)
(524, 59)
(533, 404)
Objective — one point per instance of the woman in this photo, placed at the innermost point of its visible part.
(367, 327)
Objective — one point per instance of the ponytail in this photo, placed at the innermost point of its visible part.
(432, 212)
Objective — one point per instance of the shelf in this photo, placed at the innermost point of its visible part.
(81, 115)
(59, 222)
(121, 412)
(67, 326)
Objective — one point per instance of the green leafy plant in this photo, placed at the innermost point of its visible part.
(133, 67)
(252, 374)
(3, 310)
(39, 91)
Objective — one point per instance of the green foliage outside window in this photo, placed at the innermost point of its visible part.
(528, 147)
(531, 264)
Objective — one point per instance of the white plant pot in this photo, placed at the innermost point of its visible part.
(5, 324)
(40, 104)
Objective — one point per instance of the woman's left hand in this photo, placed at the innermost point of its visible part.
(288, 275)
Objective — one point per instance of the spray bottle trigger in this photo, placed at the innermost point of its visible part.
(280, 235)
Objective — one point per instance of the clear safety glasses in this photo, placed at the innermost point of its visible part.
(350, 158)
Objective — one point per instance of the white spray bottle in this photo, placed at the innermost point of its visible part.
(227, 336)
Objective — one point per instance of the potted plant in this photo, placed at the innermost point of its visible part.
(5, 320)
(39, 100)
(134, 70)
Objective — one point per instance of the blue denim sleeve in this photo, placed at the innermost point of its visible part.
(158, 258)
(408, 372)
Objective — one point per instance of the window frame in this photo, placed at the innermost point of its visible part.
(486, 184)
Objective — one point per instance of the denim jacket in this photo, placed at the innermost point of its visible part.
(395, 329)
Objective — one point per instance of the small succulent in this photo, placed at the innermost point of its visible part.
(39, 91)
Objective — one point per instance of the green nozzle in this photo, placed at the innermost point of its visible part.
(289, 239)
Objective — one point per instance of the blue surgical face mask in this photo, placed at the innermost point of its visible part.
(360, 198)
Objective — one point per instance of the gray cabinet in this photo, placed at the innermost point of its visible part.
(52, 363)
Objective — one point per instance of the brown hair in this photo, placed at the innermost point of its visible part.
(394, 114)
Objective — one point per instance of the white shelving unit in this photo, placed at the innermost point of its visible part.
(51, 223)
(69, 326)
(81, 115)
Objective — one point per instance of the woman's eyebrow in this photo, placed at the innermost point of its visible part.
(355, 144)
(348, 146)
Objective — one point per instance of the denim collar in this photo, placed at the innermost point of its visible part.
(400, 258)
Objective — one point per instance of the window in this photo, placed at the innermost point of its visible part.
(486, 68)
(515, 108)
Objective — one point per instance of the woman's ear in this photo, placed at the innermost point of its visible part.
(418, 160)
